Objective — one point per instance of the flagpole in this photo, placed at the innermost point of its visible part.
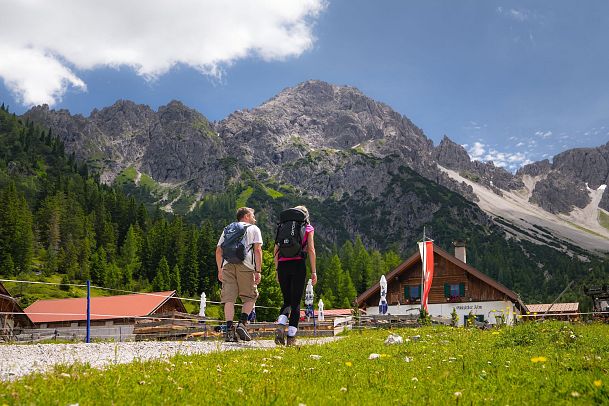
(422, 270)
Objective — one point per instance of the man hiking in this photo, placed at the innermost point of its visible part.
(239, 261)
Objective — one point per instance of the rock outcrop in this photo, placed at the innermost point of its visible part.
(564, 182)
(453, 156)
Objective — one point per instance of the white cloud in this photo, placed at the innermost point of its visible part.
(520, 144)
(477, 150)
(519, 15)
(42, 42)
(508, 160)
(34, 77)
(543, 134)
(474, 126)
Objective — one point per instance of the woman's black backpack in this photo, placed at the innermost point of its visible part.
(290, 233)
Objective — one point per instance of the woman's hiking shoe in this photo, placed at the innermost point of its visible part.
(231, 336)
(291, 341)
(279, 336)
(242, 332)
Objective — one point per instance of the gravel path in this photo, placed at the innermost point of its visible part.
(19, 360)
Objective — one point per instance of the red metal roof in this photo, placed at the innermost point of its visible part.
(102, 307)
(556, 307)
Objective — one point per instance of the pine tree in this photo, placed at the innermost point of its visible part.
(129, 258)
(114, 277)
(190, 272)
(174, 279)
(208, 281)
(84, 259)
(347, 257)
(378, 267)
(16, 235)
(68, 260)
(392, 260)
(7, 268)
(98, 267)
(142, 217)
(361, 266)
(49, 220)
(177, 242)
(346, 291)
(331, 279)
(162, 279)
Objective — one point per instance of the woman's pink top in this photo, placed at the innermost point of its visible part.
(308, 229)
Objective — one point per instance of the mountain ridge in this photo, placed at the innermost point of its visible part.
(329, 141)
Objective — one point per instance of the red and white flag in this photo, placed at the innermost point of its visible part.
(426, 250)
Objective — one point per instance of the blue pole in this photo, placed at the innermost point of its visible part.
(88, 311)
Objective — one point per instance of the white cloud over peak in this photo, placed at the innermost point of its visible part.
(520, 15)
(477, 150)
(509, 160)
(543, 134)
(42, 43)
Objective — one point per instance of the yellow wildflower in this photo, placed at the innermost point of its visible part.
(598, 383)
(539, 359)
(349, 363)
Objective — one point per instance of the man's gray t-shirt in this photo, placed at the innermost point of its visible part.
(252, 236)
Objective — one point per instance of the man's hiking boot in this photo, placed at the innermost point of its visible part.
(291, 341)
(231, 336)
(242, 332)
(279, 336)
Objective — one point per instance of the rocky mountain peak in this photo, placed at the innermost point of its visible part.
(568, 175)
(589, 165)
(535, 169)
(451, 155)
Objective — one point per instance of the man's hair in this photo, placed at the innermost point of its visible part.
(243, 211)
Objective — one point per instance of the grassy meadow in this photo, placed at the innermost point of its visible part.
(534, 363)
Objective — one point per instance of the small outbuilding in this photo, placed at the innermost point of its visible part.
(12, 317)
(556, 311)
(105, 310)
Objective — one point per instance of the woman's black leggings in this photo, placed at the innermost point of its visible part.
(292, 276)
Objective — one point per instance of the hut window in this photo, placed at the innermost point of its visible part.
(454, 290)
(412, 292)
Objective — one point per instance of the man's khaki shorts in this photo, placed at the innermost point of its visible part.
(238, 280)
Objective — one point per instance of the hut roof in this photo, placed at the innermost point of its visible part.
(102, 307)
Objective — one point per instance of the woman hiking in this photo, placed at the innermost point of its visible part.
(293, 244)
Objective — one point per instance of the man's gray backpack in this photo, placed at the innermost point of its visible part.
(233, 246)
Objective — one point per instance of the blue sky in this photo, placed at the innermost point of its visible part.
(512, 81)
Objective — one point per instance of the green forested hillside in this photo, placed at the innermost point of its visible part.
(58, 223)
(58, 219)
(537, 272)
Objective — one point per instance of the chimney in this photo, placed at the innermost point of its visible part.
(460, 250)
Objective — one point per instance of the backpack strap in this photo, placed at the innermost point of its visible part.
(251, 246)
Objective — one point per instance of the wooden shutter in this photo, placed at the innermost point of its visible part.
(446, 290)
(462, 289)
